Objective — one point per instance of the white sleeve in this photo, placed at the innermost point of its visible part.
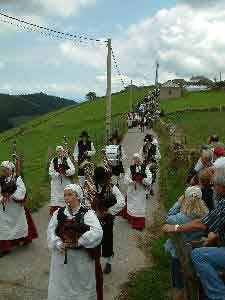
(71, 170)
(52, 172)
(148, 181)
(76, 152)
(127, 177)
(123, 155)
(120, 202)
(93, 151)
(158, 155)
(20, 192)
(141, 152)
(93, 237)
(199, 166)
(53, 240)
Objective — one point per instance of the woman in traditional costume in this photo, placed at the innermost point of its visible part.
(61, 170)
(73, 234)
(17, 227)
(138, 178)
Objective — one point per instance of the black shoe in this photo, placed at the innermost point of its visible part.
(2, 254)
(108, 268)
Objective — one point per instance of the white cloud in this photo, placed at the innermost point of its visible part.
(186, 41)
(94, 57)
(62, 8)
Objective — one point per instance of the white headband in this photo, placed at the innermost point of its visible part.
(136, 156)
(8, 165)
(59, 148)
(76, 189)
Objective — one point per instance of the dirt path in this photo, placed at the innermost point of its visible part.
(24, 273)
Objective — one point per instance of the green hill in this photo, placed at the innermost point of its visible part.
(194, 100)
(15, 110)
(35, 137)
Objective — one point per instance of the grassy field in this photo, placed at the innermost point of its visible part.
(35, 137)
(198, 126)
(195, 100)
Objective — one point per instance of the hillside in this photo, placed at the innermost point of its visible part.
(34, 138)
(194, 100)
(15, 110)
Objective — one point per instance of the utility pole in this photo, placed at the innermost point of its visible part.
(131, 96)
(157, 74)
(220, 76)
(108, 122)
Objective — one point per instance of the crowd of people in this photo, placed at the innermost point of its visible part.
(82, 211)
(199, 216)
(146, 113)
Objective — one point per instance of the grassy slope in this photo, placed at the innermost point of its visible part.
(195, 100)
(35, 137)
(199, 126)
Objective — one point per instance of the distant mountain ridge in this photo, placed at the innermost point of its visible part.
(17, 109)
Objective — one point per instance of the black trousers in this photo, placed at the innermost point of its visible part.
(107, 241)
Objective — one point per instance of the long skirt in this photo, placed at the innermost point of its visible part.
(6, 246)
(136, 207)
(75, 280)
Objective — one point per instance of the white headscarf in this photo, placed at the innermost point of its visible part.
(136, 156)
(76, 189)
(193, 193)
(8, 165)
(59, 148)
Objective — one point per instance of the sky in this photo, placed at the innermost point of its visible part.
(184, 36)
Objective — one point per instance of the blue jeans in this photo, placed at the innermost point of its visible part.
(208, 262)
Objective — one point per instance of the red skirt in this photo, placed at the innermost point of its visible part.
(32, 229)
(7, 246)
(136, 222)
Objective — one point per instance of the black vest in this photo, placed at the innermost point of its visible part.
(150, 152)
(83, 148)
(141, 173)
(78, 221)
(64, 163)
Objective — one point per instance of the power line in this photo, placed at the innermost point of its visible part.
(50, 30)
(117, 68)
(51, 33)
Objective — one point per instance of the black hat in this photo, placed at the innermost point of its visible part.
(101, 175)
(148, 137)
(84, 134)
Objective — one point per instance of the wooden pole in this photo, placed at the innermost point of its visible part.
(131, 96)
(109, 90)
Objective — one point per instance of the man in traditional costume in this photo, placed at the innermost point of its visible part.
(108, 203)
(83, 152)
(14, 219)
(150, 154)
(138, 178)
(61, 170)
(74, 232)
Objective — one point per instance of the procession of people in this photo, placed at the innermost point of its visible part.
(85, 200)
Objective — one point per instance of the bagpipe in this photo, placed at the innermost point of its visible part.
(9, 188)
(70, 231)
(104, 200)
